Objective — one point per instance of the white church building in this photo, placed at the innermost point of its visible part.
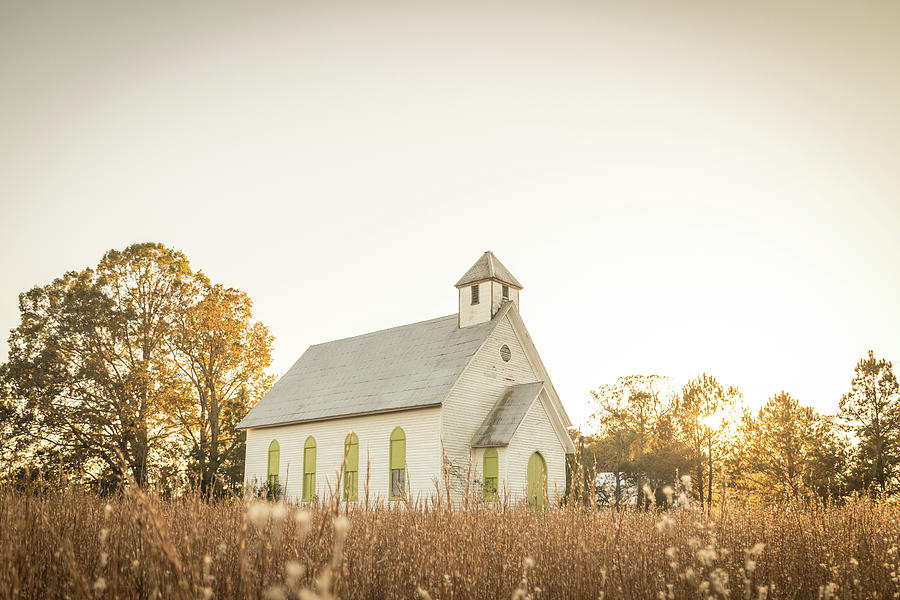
(383, 401)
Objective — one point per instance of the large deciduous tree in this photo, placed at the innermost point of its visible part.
(872, 411)
(222, 356)
(99, 366)
(89, 358)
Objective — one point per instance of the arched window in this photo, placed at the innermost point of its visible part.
(491, 473)
(351, 467)
(272, 473)
(309, 469)
(398, 464)
(537, 481)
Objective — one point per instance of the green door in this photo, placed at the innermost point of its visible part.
(537, 481)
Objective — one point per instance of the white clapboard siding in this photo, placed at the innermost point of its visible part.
(480, 386)
(423, 451)
(535, 433)
(497, 298)
(472, 314)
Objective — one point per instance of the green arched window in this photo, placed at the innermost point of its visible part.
(537, 481)
(398, 464)
(309, 469)
(491, 473)
(272, 471)
(351, 467)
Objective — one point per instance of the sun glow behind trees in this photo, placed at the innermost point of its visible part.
(781, 450)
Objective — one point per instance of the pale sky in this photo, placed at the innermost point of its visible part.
(680, 187)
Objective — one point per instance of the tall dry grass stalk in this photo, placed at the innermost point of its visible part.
(72, 544)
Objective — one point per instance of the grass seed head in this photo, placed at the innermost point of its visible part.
(278, 513)
(665, 524)
(258, 514)
(304, 523)
(274, 592)
(341, 526)
(293, 571)
(669, 492)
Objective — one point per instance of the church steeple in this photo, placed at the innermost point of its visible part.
(483, 290)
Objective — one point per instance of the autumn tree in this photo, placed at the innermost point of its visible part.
(221, 355)
(871, 410)
(99, 368)
(90, 358)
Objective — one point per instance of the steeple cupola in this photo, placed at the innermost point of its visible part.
(483, 290)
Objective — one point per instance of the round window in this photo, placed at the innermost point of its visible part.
(505, 353)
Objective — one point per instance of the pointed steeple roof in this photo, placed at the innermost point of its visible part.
(488, 267)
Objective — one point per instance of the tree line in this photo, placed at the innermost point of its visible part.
(137, 369)
(140, 368)
(652, 441)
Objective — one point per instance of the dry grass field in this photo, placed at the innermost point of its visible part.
(73, 545)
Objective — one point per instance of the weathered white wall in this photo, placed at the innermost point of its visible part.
(480, 387)
(472, 314)
(423, 451)
(534, 433)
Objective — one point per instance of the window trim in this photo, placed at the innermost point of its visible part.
(476, 294)
(351, 468)
(309, 470)
(398, 436)
(274, 451)
(490, 490)
(504, 290)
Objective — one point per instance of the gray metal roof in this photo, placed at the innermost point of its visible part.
(504, 418)
(488, 267)
(393, 369)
